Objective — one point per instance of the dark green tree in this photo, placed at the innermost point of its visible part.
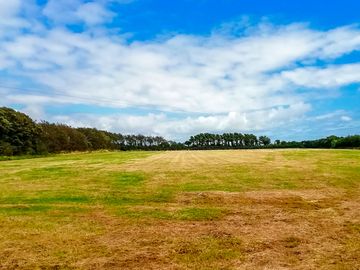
(19, 134)
(264, 140)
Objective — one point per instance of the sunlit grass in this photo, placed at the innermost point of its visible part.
(65, 209)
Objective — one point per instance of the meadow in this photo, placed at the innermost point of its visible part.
(231, 209)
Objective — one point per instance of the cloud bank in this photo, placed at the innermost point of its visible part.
(265, 78)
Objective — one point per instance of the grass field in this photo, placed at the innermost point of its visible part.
(247, 209)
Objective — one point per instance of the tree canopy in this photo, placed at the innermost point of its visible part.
(19, 135)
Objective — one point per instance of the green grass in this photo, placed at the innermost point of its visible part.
(80, 210)
(195, 213)
(124, 180)
(94, 178)
(187, 214)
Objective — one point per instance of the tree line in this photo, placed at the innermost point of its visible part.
(226, 140)
(248, 141)
(20, 135)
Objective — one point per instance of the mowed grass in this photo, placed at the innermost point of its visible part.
(245, 209)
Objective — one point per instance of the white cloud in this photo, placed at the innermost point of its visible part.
(63, 11)
(340, 41)
(9, 8)
(74, 11)
(9, 19)
(329, 116)
(346, 118)
(93, 13)
(331, 76)
(213, 74)
(232, 82)
(161, 124)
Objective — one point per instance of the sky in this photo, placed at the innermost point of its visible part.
(286, 69)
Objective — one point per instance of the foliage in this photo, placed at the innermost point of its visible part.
(226, 140)
(20, 135)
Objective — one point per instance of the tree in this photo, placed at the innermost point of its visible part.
(98, 139)
(63, 138)
(19, 134)
(264, 140)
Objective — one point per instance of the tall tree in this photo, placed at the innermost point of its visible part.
(19, 134)
(264, 140)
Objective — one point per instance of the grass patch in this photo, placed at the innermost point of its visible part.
(194, 213)
(162, 196)
(186, 214)
(14, 210)
(210, 252)
(61, 199)
(47, 173)
(125, 180)
(291, 242)
(353, 227)
(46, 199)
(144, 213)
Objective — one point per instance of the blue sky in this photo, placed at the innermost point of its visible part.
(287, 69)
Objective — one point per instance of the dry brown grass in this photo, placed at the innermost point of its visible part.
(274, 210)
